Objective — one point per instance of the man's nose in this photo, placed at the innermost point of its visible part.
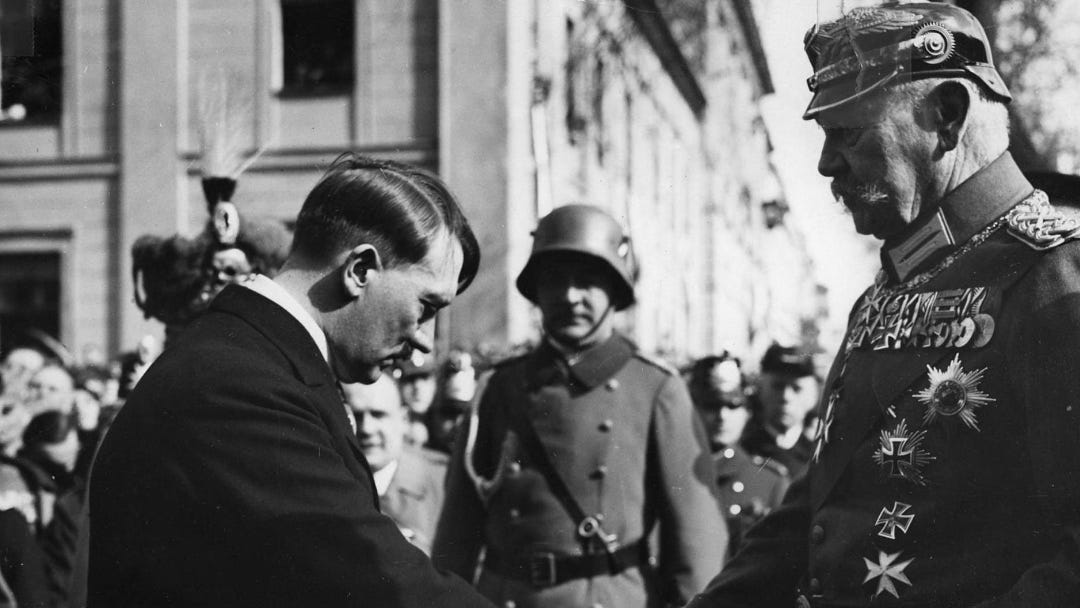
(365, 424)
(421, 340)
(831, 162)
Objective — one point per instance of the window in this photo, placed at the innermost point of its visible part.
(29, 295)
(32, 66)
(317, 45)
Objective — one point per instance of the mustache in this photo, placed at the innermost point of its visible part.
(867, 193)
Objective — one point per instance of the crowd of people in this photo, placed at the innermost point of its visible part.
(296, 445)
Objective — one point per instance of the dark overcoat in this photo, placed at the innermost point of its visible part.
(231, 477)
(949, 466)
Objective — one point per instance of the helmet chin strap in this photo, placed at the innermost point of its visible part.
(596, 327)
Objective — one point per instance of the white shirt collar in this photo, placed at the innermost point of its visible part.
(266, 287)
(384, 476)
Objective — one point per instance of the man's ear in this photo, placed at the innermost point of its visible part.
(361, 264)
(948, 105)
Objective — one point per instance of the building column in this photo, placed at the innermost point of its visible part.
(152, 59)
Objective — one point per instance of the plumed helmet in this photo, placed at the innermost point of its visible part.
(587, 231)
(870, 48)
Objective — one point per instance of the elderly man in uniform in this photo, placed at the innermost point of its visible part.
(750, 485)
(408, 478)
(232, 476)
(787, 391)
(578, 449)
(947, 469)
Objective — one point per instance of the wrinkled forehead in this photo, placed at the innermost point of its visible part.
(867, 111)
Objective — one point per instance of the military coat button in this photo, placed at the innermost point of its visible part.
(599, 472)
(607, 424)
(729, 453)
(734, 509)
(817, 534)
(514, 513)
(510, 604)
(612, 384)
(515, 468)
(738, 487)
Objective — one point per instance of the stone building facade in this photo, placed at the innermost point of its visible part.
(521, 106)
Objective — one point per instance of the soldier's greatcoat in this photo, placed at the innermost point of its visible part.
(951, 471)
(622, 433)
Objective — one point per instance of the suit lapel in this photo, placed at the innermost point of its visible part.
(296, 345)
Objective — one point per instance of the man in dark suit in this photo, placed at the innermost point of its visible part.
(947, 467)
(232, 476)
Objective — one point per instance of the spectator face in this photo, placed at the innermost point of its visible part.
(391, 309)
(575, 300)
(381, 421)
(725, 414)
(418, 392)
(786, 399)
(51, 389)
(18, 367)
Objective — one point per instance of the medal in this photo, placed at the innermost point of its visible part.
(901, 455)
(896, 518)
(886, 570)
(954, 392)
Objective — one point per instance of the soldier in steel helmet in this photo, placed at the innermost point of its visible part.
(946, 471)
(579, 450)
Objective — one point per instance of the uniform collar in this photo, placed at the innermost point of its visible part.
(589, 368)
(965, 211)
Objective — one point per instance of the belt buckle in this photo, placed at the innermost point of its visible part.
(542, 569)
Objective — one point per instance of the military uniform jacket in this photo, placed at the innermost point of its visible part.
(750, 486)
(231, 477)
(951, 471)
(622, 434)
(414, 497)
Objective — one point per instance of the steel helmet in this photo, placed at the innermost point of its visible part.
(588, 231)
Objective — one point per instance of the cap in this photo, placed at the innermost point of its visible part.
(585, 230)
(788, 360)
(872, 47)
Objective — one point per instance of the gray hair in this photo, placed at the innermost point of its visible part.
(986, 130)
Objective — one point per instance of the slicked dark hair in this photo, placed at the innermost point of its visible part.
(398, 208)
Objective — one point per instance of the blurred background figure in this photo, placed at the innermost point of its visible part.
(17, 368)
(455, 390)
(133, 364)
(416, 379)
(750, 486)
(408, 478)
(787, 392)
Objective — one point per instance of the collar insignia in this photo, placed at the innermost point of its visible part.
(931, 239)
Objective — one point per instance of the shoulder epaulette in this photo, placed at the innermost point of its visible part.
(770, 465)
(664, 366)
(1040, 225)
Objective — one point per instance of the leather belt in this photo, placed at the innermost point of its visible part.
(545, 569)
